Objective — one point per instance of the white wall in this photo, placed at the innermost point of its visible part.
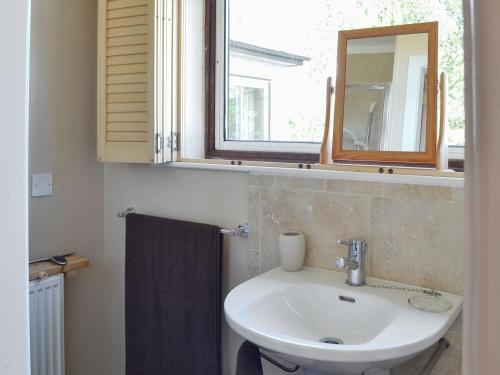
(482, 294)
(63, 125)
(219, 198)
(63, 141)
(14, 343)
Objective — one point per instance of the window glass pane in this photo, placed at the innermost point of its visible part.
(292, 44)
(248, 108)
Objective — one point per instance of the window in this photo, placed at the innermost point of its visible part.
(268, 61)
(248, 109)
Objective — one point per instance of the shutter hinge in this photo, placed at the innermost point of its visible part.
(175, 142)
(159, 142)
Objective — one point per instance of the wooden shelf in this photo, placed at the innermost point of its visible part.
(47, 268)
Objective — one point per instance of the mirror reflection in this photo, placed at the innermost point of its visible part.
(385, 102)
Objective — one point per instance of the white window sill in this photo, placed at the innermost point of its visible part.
(449, 179)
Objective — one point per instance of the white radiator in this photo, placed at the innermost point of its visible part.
(47, 326)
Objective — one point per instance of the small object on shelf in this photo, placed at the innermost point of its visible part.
(292, 248)
(60, 260)
(50, 258)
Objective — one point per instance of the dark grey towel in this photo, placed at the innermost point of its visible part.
(249, 362)
(173, 275)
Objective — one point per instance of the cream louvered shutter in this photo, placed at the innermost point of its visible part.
(135, 80)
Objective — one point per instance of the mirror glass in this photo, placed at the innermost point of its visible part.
(385, 103)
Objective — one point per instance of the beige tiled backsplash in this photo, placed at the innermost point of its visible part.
(414, 233)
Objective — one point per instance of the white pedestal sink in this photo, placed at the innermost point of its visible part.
(367, 330)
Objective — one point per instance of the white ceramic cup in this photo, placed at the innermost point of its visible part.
(292, 247)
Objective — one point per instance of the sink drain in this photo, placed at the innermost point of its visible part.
(331, 340)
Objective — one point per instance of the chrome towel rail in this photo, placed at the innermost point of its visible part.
(241, 231)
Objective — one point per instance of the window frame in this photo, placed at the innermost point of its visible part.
(291, 152)
(211, 149)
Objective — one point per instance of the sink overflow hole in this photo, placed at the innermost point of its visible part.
(347, 299)
(331, 340)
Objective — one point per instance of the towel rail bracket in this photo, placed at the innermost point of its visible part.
(130, 210)
(241, 231)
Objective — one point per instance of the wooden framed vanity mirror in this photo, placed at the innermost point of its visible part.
(386, 96)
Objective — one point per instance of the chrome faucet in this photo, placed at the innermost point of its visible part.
(355, 263)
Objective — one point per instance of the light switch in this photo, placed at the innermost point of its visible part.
(41, 184)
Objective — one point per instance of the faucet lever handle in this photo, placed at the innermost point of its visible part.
(356, 245)
(340, 262)
(346, 263)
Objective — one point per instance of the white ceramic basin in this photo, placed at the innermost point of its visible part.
(288, 313)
